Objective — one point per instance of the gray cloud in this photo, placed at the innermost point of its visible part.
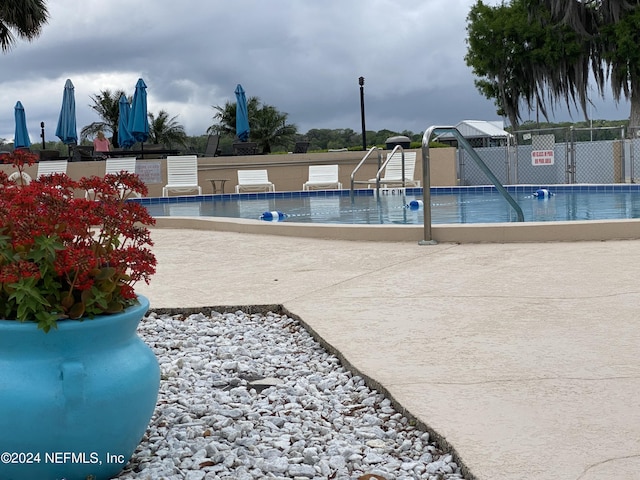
(301, 56)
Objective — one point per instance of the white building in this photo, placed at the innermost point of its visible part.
(479, 133)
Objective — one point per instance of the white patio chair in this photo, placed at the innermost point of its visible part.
(322, 176)
(51, 167)
(392, 175)
(117, 165)
(254, 180)
(20, 178)
(182, 174)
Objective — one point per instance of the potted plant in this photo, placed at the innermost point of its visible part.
(77, 385)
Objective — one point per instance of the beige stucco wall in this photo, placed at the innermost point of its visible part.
(287, 172)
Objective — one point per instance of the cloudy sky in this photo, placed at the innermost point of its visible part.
(302, 56)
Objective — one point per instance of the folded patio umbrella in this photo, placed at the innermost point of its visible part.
(21, 137)
(138, 121)
(125, 139)
(242, 115)
(66, 130)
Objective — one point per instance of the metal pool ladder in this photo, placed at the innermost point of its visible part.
(364, 159)
(428, 240)
(381, 168)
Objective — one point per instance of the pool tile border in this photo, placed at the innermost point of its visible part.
(489, 189)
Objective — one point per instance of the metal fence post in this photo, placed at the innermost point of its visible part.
(570, 159)
(632, 154)
(623, 137)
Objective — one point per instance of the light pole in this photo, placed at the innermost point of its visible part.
(42, 135)
(364, 131)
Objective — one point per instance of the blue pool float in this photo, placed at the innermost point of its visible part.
(414, 205)
(273, 216)
(542, 193)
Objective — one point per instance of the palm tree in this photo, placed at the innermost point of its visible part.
(107, 106)
(21, 18)
(268, 127)
(226, 117)
(166, 131)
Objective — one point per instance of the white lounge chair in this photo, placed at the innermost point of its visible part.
(117, 165)
(51, 167)
(254, 180)
(182, 174)
(392, 175)
(322, 176)
(20, 178)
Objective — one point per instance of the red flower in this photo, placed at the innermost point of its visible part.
(65, 257)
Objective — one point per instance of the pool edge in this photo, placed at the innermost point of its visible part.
(571, 231)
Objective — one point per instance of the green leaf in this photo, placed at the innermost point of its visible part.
(77, 310)
(106, 273)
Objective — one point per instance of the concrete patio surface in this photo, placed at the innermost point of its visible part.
(523, 357)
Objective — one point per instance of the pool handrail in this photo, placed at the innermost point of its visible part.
(364, 159)
(384, 165)
(463, 142)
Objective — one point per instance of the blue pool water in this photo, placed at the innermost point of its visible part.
(448, 205)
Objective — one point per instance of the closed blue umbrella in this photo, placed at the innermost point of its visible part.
(125, 139)
(66, 130)
(242, 115)
(21, 137)
(138, 122)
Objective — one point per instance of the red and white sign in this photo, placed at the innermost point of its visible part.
(542, 157)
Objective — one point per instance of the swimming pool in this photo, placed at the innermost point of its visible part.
(449, 205)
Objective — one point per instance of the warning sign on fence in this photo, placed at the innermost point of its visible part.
(542, 157)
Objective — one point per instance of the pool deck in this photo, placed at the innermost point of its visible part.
(523, 357)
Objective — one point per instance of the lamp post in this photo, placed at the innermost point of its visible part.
(42, 134)
(364, 131)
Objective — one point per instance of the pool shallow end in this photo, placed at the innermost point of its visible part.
(514, 232)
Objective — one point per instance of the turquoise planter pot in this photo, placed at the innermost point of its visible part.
(74, 402)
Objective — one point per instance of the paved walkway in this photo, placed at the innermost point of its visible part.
(524, 357)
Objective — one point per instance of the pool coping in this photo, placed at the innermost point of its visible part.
(578, 230)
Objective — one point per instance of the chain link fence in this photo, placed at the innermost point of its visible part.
(632, 146)
(560, 155)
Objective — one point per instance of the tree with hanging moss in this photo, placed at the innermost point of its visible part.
(508, 48)
(576, 41)
(612, 29)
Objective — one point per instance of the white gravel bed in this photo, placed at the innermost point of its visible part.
(246, 397)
